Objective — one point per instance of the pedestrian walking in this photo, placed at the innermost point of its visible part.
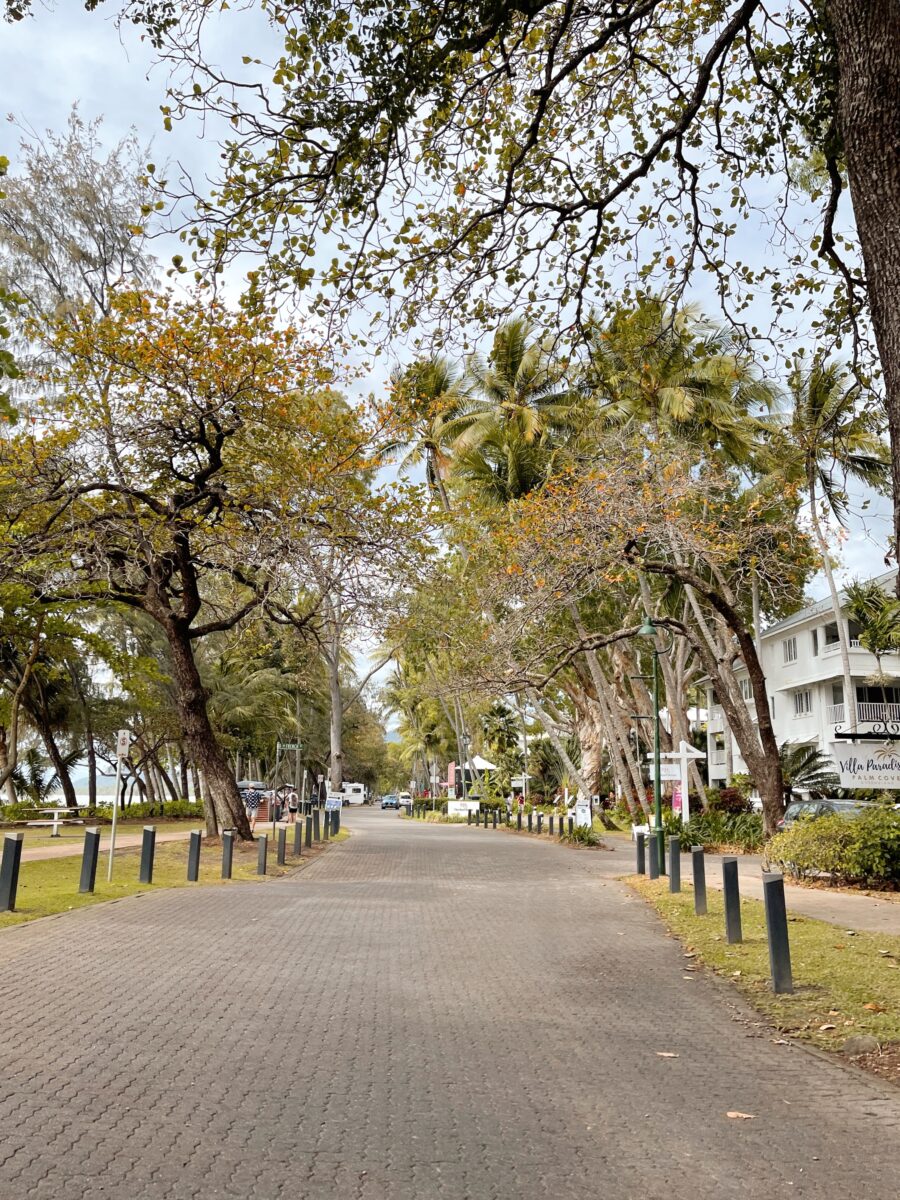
(292, 806)
(252, 800)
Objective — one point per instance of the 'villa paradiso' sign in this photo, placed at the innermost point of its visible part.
(876, 765)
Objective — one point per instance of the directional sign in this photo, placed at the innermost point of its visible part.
(288, 745)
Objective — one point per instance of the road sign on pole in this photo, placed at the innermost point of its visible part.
(288, 746)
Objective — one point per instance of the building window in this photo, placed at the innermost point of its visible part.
(789, 645)
(746, 689)
(831, 633)
(802, 703)
(837, 693)
(815, 642)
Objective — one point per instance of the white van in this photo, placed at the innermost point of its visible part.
(354, 793)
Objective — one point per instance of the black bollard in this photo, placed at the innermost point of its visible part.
(733, 932)
(530, 815)
(89, 857)
(9, 870)
(495, 818)
(641, 852)
(653, 853)
(282, 845)
(194, 856)
(313, 832)
(550, 824)
(571, 826)
(698, 866)
(660, 836)
(326, 825)
(262, 854)
(519, 820)
(298, 838)
(777, 929)
(674, 864)
(148, 847)
(541, 822)
(562, 826)
(227, 852)
(468, 816)
(335, 822)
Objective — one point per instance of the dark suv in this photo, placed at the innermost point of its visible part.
(821, 808)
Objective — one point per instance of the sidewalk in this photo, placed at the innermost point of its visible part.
(844, 909)
(127, 841)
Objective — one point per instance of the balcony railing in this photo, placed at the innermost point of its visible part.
(835, 647)
(717, 758)
(877, 712)
(834, 714)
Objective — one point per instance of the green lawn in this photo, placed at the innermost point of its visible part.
(845, 984)
(73, 835)
(50, 886)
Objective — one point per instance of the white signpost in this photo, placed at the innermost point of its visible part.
(676, 768)
(123, 746)
(334, 800)
(459, 808)
(868, 765)
(582, 816)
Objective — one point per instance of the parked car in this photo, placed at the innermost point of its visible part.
(391, 801)
(810, 809)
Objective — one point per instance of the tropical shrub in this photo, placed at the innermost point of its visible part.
(864, 849)
(741, 831)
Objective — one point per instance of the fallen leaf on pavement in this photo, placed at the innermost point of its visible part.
(665, 1054)
(872, 1007)
(739, 1116)
(822, 1027)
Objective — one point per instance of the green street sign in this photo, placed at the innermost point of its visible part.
(288, 745)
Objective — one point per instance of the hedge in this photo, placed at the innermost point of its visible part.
(863, 849)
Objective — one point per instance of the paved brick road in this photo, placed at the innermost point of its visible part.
(462, 1014)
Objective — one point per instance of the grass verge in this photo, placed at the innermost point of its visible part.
(50, 886)
(845, 984)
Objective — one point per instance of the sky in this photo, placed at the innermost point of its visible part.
(65, 56)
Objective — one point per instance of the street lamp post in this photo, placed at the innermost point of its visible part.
(650, 629)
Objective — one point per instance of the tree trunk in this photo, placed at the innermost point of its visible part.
(195, 783)
(221, 802)
(867, 36)
(336, 724)
(843, 634)
(183, 775)
(56, 758)
(5, 772)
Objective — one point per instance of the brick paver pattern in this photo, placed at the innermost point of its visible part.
(423, 1012)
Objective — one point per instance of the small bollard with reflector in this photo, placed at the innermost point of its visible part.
(519, 820)
(326, 825)
(148, 847)
(550, 824)
(698, 867)
(530, 816)
(9, 870)
(653, 858)
(540, 826)
(89, 858)
(227, 852)
(674, 864)
(733, 931)
(193, 873)
(468, 816)
(777, 930)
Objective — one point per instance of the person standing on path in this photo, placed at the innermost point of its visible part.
(252, 799)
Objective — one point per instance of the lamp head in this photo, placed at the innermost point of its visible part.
(648, 629)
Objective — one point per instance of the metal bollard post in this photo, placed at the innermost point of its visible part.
(335, 822)
(674, 864)
(282, 845)
(227, 852)
(698, 868)
(550, 824)
(298, 838)
(653, 852)
(562, 826)
(661, 850)
(194, 856)
(530, 815)
(262, 854)
(519, 820)
(148, 847)
(571, 826)
(89, 857)
(641, 852)
(777, 930)
(326, 825)
(468, 816)
(9, 870)
(733, 931)
(317, 834)
(541, 823)
(495, 818)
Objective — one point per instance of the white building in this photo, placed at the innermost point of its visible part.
(802, 662)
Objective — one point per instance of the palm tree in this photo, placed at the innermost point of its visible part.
(516, 414)
(432, 394)
(805, 768)
(827, 440)
(878, 617)
(670, 370)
